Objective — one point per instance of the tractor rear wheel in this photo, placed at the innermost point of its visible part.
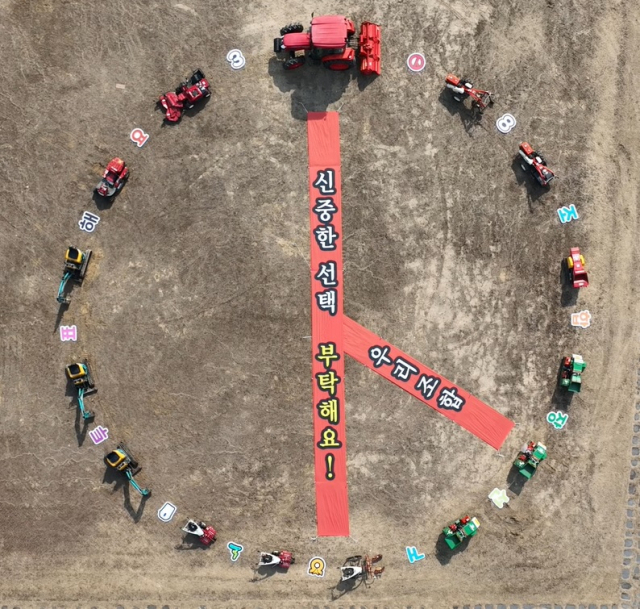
(293, 63)
(338, 64)
(292, 28)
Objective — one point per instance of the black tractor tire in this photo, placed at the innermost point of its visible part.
(134, 464)
(293, 63)
(338, 65)
(292, 28)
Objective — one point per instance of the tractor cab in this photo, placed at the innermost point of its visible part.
(73, 256)
(117, 459)
(331, 32)
(79, 374)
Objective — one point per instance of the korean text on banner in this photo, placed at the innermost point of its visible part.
(325, 213)
(429, 387)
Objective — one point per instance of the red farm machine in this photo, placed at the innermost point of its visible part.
(331, 41)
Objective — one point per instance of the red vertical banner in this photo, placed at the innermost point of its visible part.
(325, 214)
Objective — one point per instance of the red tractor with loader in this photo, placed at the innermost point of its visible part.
(462, 88)
(185, 97)
(535, 164)
(331, 41)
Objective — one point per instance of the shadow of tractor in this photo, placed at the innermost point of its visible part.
(313, 86)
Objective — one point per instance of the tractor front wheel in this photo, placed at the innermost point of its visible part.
(293, 63)
(292, 28)
(338, 64)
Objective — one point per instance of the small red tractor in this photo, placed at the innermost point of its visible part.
(535, 164)
(463, 88)
(280, 558)
(576, 269)
(186, 95)
(206, 534)
(331, 41)
(113, 179)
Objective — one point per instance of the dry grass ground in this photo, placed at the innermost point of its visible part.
(196, 306)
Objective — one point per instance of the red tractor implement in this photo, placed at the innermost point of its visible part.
(463, 88)
(185, 97)
(535, 164)
(277, 558)
(331, 41)
(205, 533)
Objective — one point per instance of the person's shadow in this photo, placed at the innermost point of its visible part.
(314, 86)
(470, 117)
(119, 480)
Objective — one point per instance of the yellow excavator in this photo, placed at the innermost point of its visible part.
(75, 268)
(122, 460)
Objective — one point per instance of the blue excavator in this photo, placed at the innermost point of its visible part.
(82, 379)
(75, 268)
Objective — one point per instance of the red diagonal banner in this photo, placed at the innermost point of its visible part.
(325, 213)
(426, 385)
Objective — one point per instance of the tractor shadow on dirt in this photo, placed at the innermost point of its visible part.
(344, 587)
(569, 295)
(444, 553)
(120, 481)
(515, 480)
(523, 177)
(265, 572)
(102, 203)
(190, 543)
(313, 86)
(469, 117)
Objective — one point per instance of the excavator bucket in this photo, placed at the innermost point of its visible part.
(369, 48)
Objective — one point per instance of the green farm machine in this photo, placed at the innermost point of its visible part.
(528, 459)
(463, 528)
(571, 373)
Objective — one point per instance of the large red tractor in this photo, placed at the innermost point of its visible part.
(331, 41)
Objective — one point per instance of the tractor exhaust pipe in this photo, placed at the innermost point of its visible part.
(458, 90)
(526, 159)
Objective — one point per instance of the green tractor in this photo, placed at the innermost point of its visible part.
(463, 528)
(528, 459)
(571, 373)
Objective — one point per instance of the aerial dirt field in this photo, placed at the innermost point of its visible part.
(195, 313)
